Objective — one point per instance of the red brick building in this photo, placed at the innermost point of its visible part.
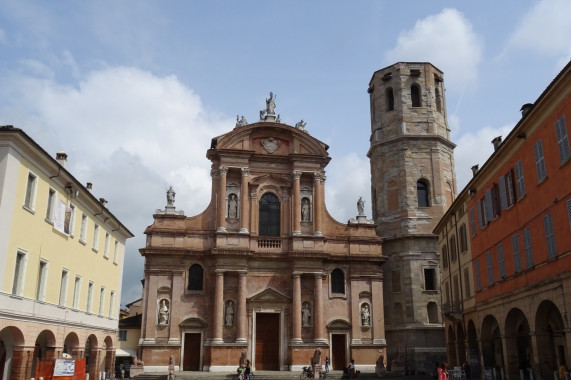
(264, 271)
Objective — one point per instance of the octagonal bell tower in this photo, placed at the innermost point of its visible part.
(412, 184)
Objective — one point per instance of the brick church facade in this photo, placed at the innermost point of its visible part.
(264, 270)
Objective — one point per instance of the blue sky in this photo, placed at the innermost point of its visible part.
(133, 91)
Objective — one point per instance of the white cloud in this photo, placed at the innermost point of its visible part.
(545, 29)
(348, 178)
(448, 41)
(129, 132)
(474, 149)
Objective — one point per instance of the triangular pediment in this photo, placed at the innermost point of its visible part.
(271, 178)
(269, 295)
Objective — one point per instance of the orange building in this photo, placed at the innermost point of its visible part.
(519, 214)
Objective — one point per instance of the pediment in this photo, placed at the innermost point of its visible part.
(269, 295)
(339, 324)
(193, 323)
(271, 178)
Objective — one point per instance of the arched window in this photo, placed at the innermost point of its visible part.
(195, 275)
(337, 281)
(432, 310)
(390, 99)
(422, 193)
(415, 95)
(269, 215)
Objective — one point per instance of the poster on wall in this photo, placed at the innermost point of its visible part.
(64, 367)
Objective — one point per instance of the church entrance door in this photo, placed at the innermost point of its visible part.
(338, 351)
(191, 359)
(267, 341)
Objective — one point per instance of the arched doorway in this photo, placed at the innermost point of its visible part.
(451, 346)
(518, 342)
(492, 350)
(460, 344)
(91, 357)
(109, 356)
(551, 345)
(44, 349)
(71, 345)
(11, 339)
(474, 351)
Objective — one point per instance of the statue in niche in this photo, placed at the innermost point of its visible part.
(163, 312)
(233, 206)
(365, 315)
(229, 318)
(170, 196)
(361, 206)
(306, 315)
(305, 210)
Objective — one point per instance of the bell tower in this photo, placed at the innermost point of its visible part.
(412, 185)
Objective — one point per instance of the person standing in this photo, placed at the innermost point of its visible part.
(326, 364)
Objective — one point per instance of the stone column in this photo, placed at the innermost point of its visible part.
(296, 309)
(296, 203)
(355, 312)
(318, 309)
(222, 199)
(242, 312)
(318, 179)
(218, 307)
(244, 209)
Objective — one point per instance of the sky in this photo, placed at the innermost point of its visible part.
(133, 91)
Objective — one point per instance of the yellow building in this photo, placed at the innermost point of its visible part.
(61, 254)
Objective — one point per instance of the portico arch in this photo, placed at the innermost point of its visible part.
(518, 342)
(492, 351)
(550, 335)
(11, 339)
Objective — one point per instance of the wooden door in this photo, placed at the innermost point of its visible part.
(267, 341)
(191, 355)
(338, 351)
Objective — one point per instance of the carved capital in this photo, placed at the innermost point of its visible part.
(254, 195)
(245, 172)
(319, 177)
(223, 170)
(213, 173)
(296, 174)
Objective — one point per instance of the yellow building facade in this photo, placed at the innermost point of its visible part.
(62, 254)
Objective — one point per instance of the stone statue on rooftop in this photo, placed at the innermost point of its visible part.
(170, 196)
(301, 125)
(361, 206)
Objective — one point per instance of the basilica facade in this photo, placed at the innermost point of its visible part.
(264, 272)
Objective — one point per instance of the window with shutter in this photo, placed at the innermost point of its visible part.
(490, 266)
(519, 179)
(562, 139)
(527, 247)
(478, 275)
(516, 252)
(501, 261)
(488, 206)
(510, 188)
(550, 236)
(503, 193)
(569, 212)
(539, 161)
